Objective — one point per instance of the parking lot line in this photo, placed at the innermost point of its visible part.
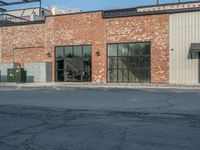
(19, 87)
(56, 88)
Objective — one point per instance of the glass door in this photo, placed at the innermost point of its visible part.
(68, 64)
(68, 76)
(87, 64)
(77, 64)
(73, 64)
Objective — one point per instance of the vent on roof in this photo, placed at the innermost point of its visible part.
(119, 13)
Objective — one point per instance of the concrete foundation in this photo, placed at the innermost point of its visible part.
(38, 72)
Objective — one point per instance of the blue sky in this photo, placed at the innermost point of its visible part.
(88, 5)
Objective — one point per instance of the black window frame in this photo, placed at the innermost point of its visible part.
(128, 56)
(64, 56)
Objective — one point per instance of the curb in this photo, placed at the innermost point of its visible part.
(108, 85)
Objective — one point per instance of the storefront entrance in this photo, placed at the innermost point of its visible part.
(73, 63)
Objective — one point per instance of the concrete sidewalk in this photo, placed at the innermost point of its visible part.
(102, 85)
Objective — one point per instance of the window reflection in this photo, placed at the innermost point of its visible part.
(129, 62)
(59, 52)
(74, 63)
(112, 50)
(87, 52)
(122, 49)
(68, 51)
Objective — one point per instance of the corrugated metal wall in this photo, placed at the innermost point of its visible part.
(184, 30)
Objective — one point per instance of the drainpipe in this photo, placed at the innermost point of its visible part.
(40, 13)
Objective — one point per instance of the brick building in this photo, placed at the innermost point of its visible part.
(125, 45)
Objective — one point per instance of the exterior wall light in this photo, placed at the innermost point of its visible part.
(48, 54)
(98, 53)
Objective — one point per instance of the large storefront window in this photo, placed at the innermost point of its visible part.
(73, 63)
(129, 62)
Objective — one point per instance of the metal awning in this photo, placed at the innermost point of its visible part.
(7, 3)
(195, 47)
(2, 10)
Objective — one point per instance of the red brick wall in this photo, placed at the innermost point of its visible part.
(28, 55)
(154, 28)
(98, 46)
(22, 44)
(67, 30)
(33, 42)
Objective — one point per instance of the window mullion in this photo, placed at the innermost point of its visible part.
(128, 63)
(117, 63)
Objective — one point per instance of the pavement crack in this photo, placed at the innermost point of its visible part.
(169, 103)
(21, 131)
(122, 139)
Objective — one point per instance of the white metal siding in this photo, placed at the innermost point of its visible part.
(184, 30)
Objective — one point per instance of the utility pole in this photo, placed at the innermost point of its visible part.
(158, 2)
(40, 9)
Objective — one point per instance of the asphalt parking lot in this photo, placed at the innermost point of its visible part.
(61, 118)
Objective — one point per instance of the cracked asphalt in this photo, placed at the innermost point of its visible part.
(45, 118)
